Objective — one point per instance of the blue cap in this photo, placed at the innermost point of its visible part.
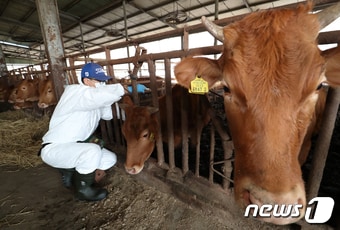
(94, 71)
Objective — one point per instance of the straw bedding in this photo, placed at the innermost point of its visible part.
(20, 138)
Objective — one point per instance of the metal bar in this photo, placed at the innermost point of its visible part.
(198, 136)
(82, 41)
(323, 142)
(219, 173)
(110, 67)
(126, 33)
(109, 129)
(125, 21)
(184, 115)
(103, 130)
(227, 168)
(184, 129)
(212, 153)
(154, 92)
(169, 112)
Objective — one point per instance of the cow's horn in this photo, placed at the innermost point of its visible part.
(328, 15)
(215, 30)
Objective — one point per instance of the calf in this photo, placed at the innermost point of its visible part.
(141, 127)
(28, 90)
(47, 95)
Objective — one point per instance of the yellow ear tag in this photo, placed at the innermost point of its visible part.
(152, 137)
(198, 86)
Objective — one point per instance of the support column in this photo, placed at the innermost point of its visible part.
(3, 68)
(51, 31)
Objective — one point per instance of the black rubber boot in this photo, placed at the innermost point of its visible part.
(85, 191)
(66, 176)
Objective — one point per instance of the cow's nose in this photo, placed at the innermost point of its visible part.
(130, 170)
(283, 208)
(42, 105)
(135, 169)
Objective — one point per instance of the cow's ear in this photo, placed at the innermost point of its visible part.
(152, 110)
(332, 72)
(189, 68)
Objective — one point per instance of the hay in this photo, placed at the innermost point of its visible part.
(15, 218)
(20, 138)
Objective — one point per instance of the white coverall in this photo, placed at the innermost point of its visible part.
(74, 119)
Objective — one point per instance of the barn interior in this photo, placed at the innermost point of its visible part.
(137, 42)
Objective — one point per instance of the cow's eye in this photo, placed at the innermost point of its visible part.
(321, 85)
(145, 135)
(226, 89)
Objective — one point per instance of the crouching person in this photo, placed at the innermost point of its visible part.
(73, 121)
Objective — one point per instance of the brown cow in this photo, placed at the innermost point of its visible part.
(141, 126)
(47, 95)
(271, 68)
(28, 90)
(12, 99)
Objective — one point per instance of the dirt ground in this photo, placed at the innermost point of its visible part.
(35, 199)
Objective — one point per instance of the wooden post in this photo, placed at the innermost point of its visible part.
(110, 67)
(73, 77)
(50, 29)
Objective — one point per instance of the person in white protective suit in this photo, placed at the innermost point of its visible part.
(73, 121)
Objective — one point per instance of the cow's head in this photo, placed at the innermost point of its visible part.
(272, 70)
(28, 90)
(47, 95)
(140, 130)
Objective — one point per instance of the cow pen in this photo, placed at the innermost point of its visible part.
(183, 178)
